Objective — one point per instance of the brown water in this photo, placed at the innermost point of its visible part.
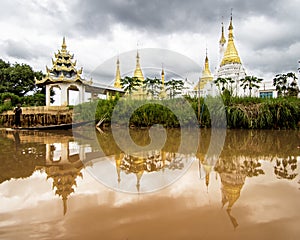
(248, 191)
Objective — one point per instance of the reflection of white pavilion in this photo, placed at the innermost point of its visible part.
(64, 164)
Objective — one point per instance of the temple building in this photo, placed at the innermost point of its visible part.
(64, 76)
(230, 65)
(205, 85)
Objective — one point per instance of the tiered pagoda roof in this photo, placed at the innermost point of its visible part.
(63, 69)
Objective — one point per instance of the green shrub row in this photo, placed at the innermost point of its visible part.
(246, 113)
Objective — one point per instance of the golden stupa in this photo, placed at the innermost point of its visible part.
(231, 54)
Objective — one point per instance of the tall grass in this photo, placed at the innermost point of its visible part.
(245, 113)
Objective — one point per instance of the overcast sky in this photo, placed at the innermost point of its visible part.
(267, 33)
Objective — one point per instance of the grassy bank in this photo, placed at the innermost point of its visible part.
(246, 113)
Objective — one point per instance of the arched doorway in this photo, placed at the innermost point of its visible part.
(57, 95)
(73, 95)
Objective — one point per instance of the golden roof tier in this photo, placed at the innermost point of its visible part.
(231, 55)
(63, 69)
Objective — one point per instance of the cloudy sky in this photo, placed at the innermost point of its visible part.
(267, 34)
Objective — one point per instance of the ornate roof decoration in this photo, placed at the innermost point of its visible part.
(63, 69)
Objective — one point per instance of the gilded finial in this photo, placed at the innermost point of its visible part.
(64, 46)
(223, 39)
(230, 25)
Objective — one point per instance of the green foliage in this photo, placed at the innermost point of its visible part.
(224, 84)
(17, 78)
(37, 99)
(5, 107)
(16, 81)
(130, 84)
(174, 87)
(286, 84)
(9, 97)
(246, 113)
(152, 86)
(250, 82)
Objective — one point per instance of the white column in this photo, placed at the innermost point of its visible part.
(48, 87)
(82, 94)
(64, 95)
(64, 153)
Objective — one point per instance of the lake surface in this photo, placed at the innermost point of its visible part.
(95, 185)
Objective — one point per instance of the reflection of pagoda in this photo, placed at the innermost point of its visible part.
(232, 179)
(63, 168)
(64, 178)
(205, 166)
(151, 161)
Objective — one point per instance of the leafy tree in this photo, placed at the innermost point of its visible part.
(286, 84)
(17, 78)
(130, 84)
(174, 87)
(250, 82)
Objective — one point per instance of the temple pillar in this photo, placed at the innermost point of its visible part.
(64, 95)
(81, 94)
(48, 87)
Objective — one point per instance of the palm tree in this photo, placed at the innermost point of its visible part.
(152, 86)
(286, 84)
(130, 84)
(222, 84)
(250, 82)
(174, 87)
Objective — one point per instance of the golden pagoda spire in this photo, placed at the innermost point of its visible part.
(223, 39)
(231, 55)
(118, 76)
(64, 46)
(162, 93)
(138, 71)
(206, 74)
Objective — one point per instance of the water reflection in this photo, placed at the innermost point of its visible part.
(55, 154)
(245, 156)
